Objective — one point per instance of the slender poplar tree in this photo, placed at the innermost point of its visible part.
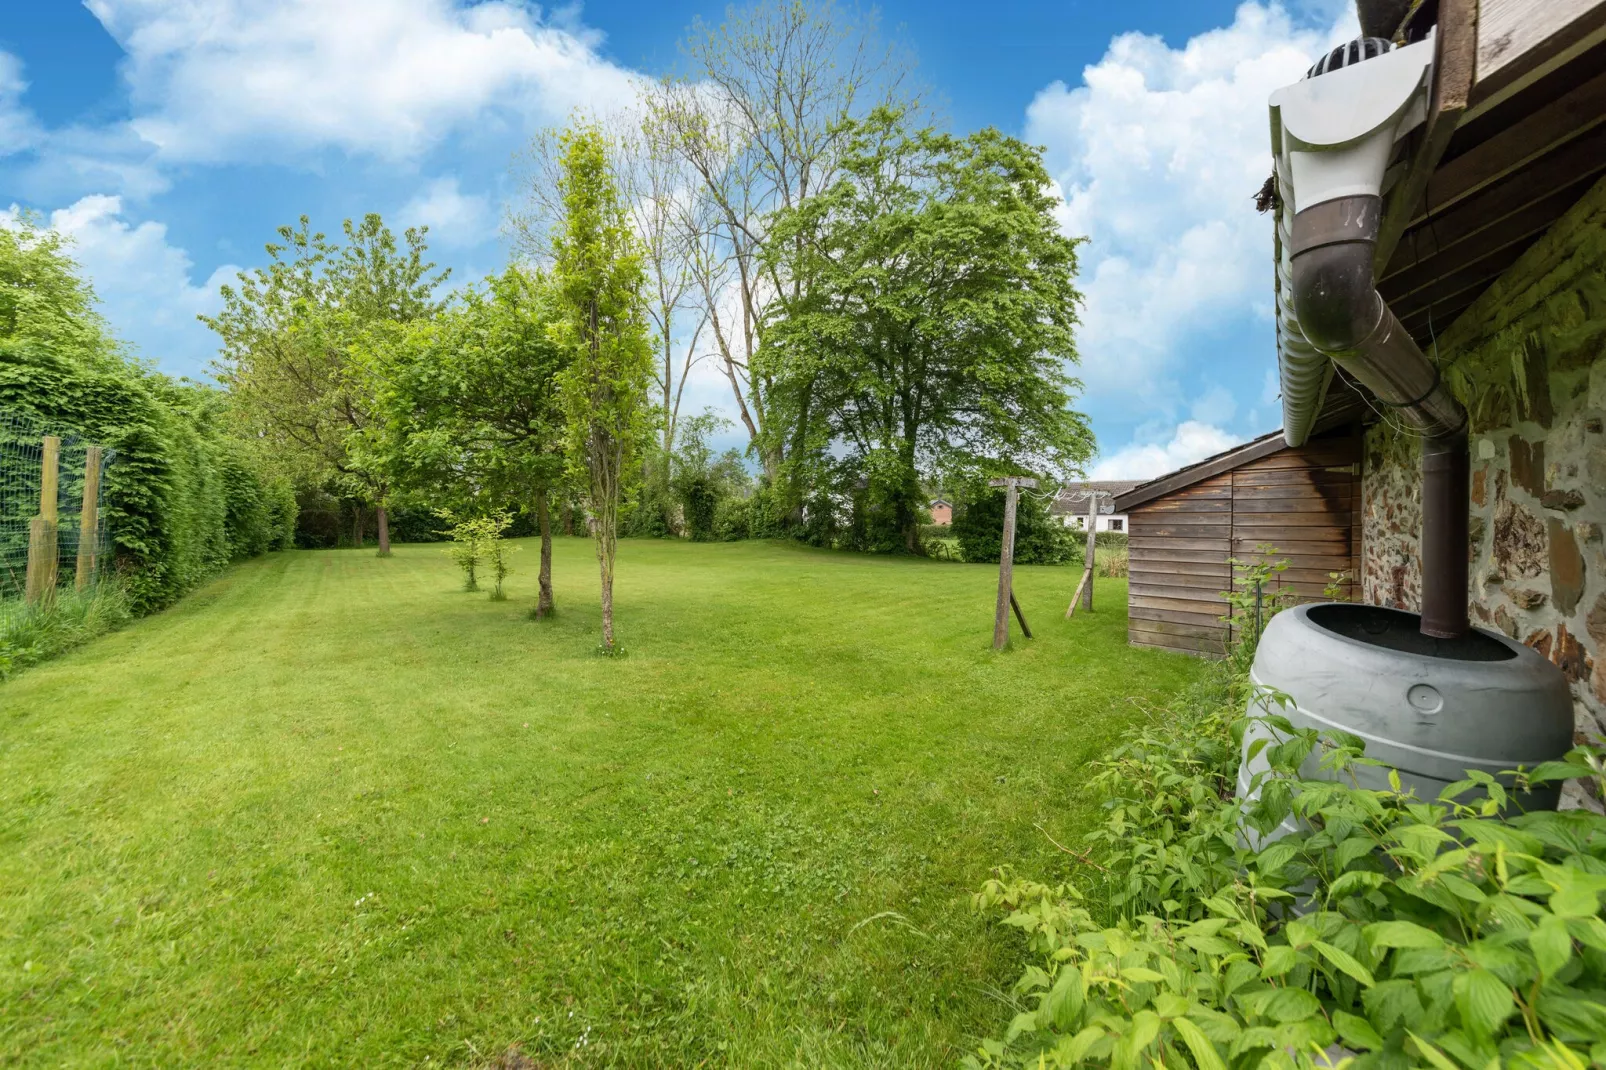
(601, 320)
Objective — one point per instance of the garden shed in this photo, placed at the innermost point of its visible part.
(1187, 526)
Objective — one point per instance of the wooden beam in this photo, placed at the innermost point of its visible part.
(1453, 69)
(1517, 36)
(1543, 191)
(1564, 119)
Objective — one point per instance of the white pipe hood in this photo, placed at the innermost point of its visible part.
(1332, 134)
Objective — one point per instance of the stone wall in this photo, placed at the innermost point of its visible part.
(1529, 361)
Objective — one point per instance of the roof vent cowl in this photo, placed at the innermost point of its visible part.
(1347, 55)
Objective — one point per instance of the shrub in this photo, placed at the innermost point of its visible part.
(978, 525)
(1447, 932)
(732, 519)
(700, 496)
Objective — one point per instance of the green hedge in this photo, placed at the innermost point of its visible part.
(181, 499)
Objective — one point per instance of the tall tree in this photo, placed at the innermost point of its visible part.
(935, 335)
(470, 404)
(44, 299)
(760, 127)
(598, 283)
(288, 333)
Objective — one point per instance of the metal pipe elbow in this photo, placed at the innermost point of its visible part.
(1334, 294)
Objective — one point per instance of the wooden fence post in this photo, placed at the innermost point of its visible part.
(42, 549)
(89, 520)
(1092, 545)
(1006, 563)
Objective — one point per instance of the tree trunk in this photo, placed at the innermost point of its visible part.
(543, 603)
(607, 608)
(356, 524)
(383, 522)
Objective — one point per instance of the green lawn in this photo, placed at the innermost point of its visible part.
(330, 810)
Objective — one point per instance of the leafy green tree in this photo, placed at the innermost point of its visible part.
(598, 280)
(289, 332)
(934, 336)
(45, 302)
(470, 404)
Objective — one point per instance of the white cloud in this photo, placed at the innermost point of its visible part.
(454, 218)
(17, 127)
(1158, 154)
(219, 80)
(144, 284)
(1192, 442)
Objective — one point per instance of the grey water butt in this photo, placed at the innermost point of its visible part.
(1430, 708)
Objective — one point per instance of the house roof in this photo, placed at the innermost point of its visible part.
(1064, 501)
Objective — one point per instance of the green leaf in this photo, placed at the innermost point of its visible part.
(1356, 881)
(1204, 1053)
(1142, 974)
(1279, 959)
(1483, 1000)
(1356, 1031)
(1431, 1054)
(1552, 945)
(1345, 962)
(1073, 1050)
(1284, 1005)
(1545, 772)
(1401, 934)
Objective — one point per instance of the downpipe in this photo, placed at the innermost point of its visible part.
(1342, 315)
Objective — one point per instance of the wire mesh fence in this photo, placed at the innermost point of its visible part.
(47, 535)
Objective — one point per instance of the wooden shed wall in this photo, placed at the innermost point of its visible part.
(1305, 502)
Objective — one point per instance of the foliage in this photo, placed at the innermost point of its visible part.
(733, 519)
(468, 400)
(31, 634)
(1449, 932)
(290, 334)
(701, 480)
(182, 498)
(978, 525)
(760, 125)
(1113, 562)
(1256, 596)
(936, 325)
(601, 326)
(477, 540)
(45, 302)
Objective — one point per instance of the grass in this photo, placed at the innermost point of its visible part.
(330, 810)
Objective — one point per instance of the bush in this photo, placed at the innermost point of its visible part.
(978, 525)
(733, 519)
(1447, 932)
(700, 495)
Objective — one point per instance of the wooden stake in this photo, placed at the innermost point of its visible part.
(1086, 581)
(1006, 562)
(40, 584)
(89, 520)
(1024, 627)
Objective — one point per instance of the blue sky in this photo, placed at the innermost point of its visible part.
(170, 139)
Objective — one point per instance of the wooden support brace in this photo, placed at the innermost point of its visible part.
(1024, 627)
(1086, 582)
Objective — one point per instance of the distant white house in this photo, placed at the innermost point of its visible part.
(1071, 504)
